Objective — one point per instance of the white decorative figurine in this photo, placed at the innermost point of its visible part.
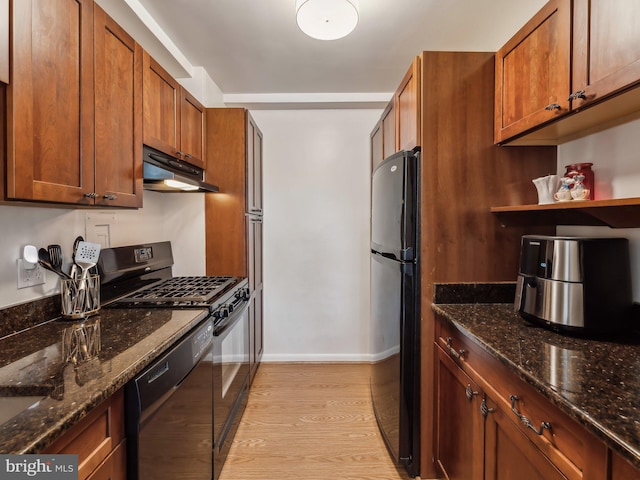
(564, 194)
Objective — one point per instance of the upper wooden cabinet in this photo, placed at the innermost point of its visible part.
(606, 51)
(562, 61)
(407, 106)
(388, 121)
(533, 72)
(174, 121)
(118, 92)
(383, 136)
(4, 41)
(50, 111)
(254, 166)
(192, 133)
(376, 145)
(74, 120)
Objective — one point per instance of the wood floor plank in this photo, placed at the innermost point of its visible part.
(311, 422)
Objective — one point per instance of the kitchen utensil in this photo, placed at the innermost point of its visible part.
(55, 257)
(44, 259)
(86, 256)
(74, 266)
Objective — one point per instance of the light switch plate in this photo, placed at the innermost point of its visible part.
(29, 277)
(98, 227)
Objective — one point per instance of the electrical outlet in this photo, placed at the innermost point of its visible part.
(29, 277)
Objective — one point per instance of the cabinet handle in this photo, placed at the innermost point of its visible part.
(91, 195)
(525, 421)
(580, 94)
(469, 392)
(109, 196)
(484, 409)
(179, 153)
(553, 106)
(457, 354)
(187, 155)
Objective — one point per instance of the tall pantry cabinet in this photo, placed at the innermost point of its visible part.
(234, 216)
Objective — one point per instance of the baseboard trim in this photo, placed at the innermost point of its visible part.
(317, 358)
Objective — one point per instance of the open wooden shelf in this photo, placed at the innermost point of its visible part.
(617, 213)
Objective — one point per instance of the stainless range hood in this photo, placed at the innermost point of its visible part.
(164, 173)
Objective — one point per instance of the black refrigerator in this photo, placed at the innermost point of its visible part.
(395, 305)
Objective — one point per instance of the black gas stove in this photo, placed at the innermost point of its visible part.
(141, 276)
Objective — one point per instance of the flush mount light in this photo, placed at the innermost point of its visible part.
(327, 19)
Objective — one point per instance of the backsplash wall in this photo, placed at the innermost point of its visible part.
(614, 154)
(175, 217)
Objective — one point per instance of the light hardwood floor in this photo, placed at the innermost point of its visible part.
(311, 422)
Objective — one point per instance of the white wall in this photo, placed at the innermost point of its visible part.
(316, 233)
(614, 154)
(175, 217)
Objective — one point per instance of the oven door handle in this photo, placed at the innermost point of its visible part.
(229, 322)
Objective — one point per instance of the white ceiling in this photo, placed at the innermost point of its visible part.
(253, 47)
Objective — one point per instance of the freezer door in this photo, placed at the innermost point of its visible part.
(394, 206)
(394, 372)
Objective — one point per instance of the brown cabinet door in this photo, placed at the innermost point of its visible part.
(407, 104)
(95, 437)
(509, 454)
(192, 129)
(389, 144)
(4, 41)
(118, 123)
(50, 114)
(606, 50)
(114, 466)
(533, 72)
(621, 469)
(460, 426)
(376, 146)
(254, 166)
(161, 107)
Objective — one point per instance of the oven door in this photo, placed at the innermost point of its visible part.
(230, 380)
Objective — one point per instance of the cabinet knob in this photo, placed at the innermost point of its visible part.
(484, 409)
(553, 106)
(188, 155)
(109, 196)
(580, 94)
(179, 153)
(469, 392)
(91, 195)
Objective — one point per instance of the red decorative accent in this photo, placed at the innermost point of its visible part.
(584, 169)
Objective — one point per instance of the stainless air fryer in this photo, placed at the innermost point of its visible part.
(575, 284)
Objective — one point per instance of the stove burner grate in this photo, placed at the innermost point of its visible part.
(183, 289)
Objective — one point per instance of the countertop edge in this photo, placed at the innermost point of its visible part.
(629, 452)
(45, 437)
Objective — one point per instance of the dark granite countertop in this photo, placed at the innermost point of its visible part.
(596, 382)
(67, 381)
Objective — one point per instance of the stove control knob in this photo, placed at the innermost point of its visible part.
(222, 312)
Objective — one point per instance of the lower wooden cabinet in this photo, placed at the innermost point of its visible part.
(492, 425)
(460, 433)
(98, 440)
(114, 466)
(509, 454)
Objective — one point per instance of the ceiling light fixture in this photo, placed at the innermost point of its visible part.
(327, 19)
